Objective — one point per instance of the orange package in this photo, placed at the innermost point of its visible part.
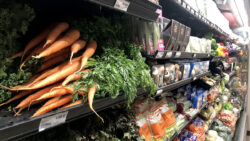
(167, 114)
(141, 107)
(156, 120)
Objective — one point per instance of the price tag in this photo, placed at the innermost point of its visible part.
(122, 5)
(159, 91)
(169, 54)
(178, 54)
(179, 1)
(195, 78)
(184, 5)
(159, 54)
(208, 55)
(195, 55)
(52, 121)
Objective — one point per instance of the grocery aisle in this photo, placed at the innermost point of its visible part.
(124, 70)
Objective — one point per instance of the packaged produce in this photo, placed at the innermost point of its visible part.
(178, 72)
(197, 101)
(228, 106)
(211, 135)
(227, 118)
(169, 74)
(186, 70)
(171, 103)
(195, 69)
(158, 75)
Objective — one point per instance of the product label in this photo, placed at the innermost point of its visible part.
(52, 121)
(122, 5)
(178, 54)
(161, 44)
(169, 54)
(159, 54)
(151, 47)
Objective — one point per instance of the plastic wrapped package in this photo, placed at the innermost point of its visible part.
(169, 74)
(171, 104)
(186, 70)
(158, 75)
(227, 118)
(180, 121)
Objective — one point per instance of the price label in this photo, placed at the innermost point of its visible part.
(122, 5)
(195, 78)
(195, 55)
(159, 54)
(169, 54)
(159, 91)
(208, 55)
(52, 121)
(178, 54)
(179, 1)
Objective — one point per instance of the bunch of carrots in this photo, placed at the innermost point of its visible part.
(50, 83)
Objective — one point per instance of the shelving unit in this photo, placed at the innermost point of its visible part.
(184, 13)
(178, 84)
(160, 55)
(140, 8)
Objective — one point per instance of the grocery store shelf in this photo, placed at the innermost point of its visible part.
(140, 8)
(179, 84)
(179, 131)
(12, 128)
(240, 131)
(166, 54)
(184, 13)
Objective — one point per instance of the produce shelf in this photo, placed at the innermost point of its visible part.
(184, 13)
(179, 131)
(140, 8)
(166, 54)
(179, 84)
(12, 128)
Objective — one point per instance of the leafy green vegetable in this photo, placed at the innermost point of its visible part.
(15, 17)
(119, 66)
(228, 106)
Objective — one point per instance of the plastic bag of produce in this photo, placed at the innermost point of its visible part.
(169, 74)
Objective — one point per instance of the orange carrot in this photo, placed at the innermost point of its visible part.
(45, 74)
(53, 100)
(90, 50)
(35, 41)
(53, 78)
(17, 96)
(25, 103)
(69, 38)
(20, 109)
(19, 54)
(52, 106)
(57, 54)
(91, 95)
(35, 51)
(52, 62)
(54, 33)
(53, 93)
(73, 77)
(77, 45)
(72, 104)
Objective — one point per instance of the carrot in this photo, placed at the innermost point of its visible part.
(90, 50)
(19, 95)
(52, 62)
(73, 77)
(91, 95)
(53, 78)
(52, 106)
(35, 51)
(58, 54)
(20, 109)
(44, 74)
(53, 93)
(35, 41)
(72, 104)
(69, 38)
(19, 54)
(54, 33)
(25, 103)
(53, 100)
(77, 45)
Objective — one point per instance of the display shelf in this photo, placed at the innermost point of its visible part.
(188, 122)
(166, 54)
(184, 13)
(179, 84)
(12, 128)
(140, 8)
